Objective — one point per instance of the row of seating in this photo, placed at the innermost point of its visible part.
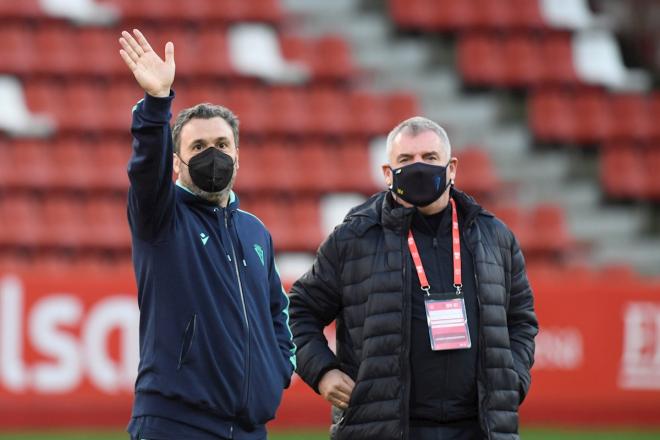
(588, 116)
(84, 166)
(456, 15)
(99, 223)
(630, 172)
(207, 11)
(516, 60)
(202, 52)
(289, 111)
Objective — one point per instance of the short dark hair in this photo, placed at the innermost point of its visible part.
(204, 110)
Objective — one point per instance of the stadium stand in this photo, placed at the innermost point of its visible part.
(307, 117)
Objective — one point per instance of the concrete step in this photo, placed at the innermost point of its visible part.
(644, 254)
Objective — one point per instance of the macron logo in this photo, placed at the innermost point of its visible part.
(204, 238)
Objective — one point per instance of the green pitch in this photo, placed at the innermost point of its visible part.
(528, 434)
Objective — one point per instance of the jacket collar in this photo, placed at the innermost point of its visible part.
(190, 198)
(382, 209)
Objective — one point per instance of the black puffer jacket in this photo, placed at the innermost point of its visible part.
(361, 279)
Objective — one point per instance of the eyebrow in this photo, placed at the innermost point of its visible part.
(215, 141)
(407, 155)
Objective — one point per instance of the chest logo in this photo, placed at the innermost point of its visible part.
(204, 238)
(260, 252)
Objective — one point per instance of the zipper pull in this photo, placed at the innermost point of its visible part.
(229, 258)
(244, 263)
(435, 242)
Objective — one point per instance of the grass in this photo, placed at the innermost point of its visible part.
(527, 434)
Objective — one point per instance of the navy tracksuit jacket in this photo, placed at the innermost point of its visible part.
(216, 351)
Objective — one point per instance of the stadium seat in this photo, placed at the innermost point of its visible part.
(109, 165)
(480, 60)
(556, 56)
(106, 224)
(55, 45)
(476, 172)
(631, 117)
(623, 172)
(369, 116)
(17, 47)
(62, 222)
(291, 113)
(19, 11)
(550, 232)
(73, 165)
(551, 116)
(591, 107)
(524, 65)
(21, 221)
(29, 165)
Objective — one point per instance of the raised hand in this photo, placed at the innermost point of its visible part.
(153, 74)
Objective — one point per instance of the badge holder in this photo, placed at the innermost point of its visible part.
(445, 312)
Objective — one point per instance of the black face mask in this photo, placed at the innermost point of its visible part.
(211, 170)
(420, 184)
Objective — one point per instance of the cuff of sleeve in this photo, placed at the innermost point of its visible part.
(324, 370)
(157, 109)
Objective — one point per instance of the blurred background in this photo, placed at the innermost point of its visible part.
(552, 106)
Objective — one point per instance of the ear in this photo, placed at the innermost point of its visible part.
(176, 164)
(236, 160)
(387, 174)
(453, 167)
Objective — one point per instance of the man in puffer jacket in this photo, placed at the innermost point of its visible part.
(434, 313)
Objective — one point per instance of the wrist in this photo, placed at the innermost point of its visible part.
(163, 93)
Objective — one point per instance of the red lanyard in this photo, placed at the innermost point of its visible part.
(456, 245)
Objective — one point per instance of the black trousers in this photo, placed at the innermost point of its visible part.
(462, 430)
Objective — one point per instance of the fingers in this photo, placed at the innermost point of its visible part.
(169, 52)
(127, 59)
(144, 44)
(132, 43)
(129, 50)
(348, 382)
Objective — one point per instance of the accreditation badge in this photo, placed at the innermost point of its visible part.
(447, 321)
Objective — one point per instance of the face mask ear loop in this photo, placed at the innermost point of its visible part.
(177, 155)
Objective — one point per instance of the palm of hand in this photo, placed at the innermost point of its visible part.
(152, 73)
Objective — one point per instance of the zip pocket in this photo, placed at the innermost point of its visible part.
(188, 336)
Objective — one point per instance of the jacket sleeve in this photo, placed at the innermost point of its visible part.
(279, 309)
(151, 192)
(521, 318)
(315, 303)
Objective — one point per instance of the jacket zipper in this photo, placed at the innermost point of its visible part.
(481, 344)
(405, 405)
(246, 381)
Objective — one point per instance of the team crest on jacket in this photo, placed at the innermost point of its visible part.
(260, 252)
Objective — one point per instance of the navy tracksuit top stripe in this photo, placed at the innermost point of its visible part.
(216, 351)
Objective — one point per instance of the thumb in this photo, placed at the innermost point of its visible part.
(169, 53)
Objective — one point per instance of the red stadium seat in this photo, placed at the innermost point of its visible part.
(524, 65)
(622, 172)
(480, 60)
(56, 46)
(17, 48)
(551, 117)
(400, 106)
(109, 163)
(414, 14)
(98, 60)
(85, 111)
(592, 110)
(631, 117)
(550, 232)
(29, 165)
(72, 164)
(369, 116)
(476, 173)
(652, 160)
(327, 111)
(318, 167)
(290, 113)
(62, 222)
(527, 14)
(21, 221)
(20, 10)
(333, 58)
(556, 57)
(353, 160)
(106, 225)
